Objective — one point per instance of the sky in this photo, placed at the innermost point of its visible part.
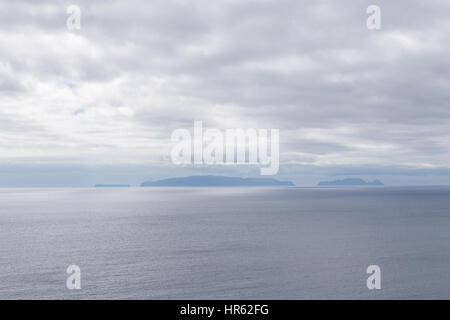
(98, 104)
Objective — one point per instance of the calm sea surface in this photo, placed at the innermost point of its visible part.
(225, 243)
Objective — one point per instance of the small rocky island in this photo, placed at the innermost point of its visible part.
(112, 185)
(351, 182)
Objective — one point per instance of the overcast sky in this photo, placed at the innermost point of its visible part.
(98, 105)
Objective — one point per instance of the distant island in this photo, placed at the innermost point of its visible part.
(351, 182)
(112, 185)
(216, 181)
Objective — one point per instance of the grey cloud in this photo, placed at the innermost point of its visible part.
(377, 98)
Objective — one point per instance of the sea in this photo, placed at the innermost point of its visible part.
(225, 243)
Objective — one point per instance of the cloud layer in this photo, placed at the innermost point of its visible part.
(112, 92)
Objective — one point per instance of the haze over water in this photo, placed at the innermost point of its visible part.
(225, 243)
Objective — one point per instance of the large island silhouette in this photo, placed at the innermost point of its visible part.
(216, 181)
